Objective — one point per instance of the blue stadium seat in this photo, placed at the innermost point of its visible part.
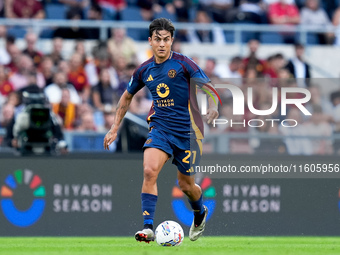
(131, 14)
(55, 11)
(229, 36)
(192, 14)
(88, 143)
(271, 38)
(167, 15)
(17, 32)
(47, 33)
(312, 39)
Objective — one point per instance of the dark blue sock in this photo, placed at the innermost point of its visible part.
(149, 202)
(197, 206)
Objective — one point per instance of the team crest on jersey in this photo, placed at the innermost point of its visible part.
(172, 73)
(163, 90)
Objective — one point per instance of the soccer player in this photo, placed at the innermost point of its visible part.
(175, 124)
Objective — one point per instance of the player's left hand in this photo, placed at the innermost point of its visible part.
(212, 114)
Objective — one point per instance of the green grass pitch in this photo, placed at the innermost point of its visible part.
(205, 245)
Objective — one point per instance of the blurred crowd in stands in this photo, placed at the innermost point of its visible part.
(83, 89)
(321, 14)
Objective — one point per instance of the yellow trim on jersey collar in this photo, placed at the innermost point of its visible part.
(171, 52)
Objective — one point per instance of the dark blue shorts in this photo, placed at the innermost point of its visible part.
(186, 152)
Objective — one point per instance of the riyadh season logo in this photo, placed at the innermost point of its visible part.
(182, 212)
(239, 103)
(22, 198)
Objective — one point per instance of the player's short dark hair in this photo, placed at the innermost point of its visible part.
(161, 24)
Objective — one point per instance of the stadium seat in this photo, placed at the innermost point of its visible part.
(88, 142)
(131, 14)
(46, 33)
(312, 39)
(55, 11)
(192, 14)
(167, 15)
(17, 32)
(271, 38)
(229, 36)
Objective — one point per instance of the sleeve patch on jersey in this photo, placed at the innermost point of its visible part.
(131, 80)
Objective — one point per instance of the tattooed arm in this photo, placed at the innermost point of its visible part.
(122, 107)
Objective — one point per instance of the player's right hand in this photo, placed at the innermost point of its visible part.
(109, 138)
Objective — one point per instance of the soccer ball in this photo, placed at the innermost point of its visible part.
(169, 233)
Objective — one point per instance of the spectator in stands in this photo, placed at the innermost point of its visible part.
(78, 4)
(94, 14)
(56, 53)
(249, 12)
(7, 114)
(109, 118)
(182, 8)
(121, 44)
(335, 99)
(298, 67)
(205, 36)
(318, 126)
(274, 64)
(87, 122)
(14, 98)
(101, 60)
(27, 9)
(148, 14)
(269, 145)
(2, 8)
(177, 46)
(78, 77)
(72, 32)
(13, 52)
(53, 92)
(36, 56)
(64, 66)
(147, 9)
(5, 58)
(314, 15)
(120, 65)
(79, 48)
(47, 69)
(218, 9)
(252, 62)
(336, 22)
(125, 78)
(295, 145)
(104, 97)
(239, 145)
(318, 99)
(112, 8)
(210, 69)
(20, 78)
(6, 86)
(231, 71)
(283, 13)
(66, 110)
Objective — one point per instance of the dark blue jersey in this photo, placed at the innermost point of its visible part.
(174, 109)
